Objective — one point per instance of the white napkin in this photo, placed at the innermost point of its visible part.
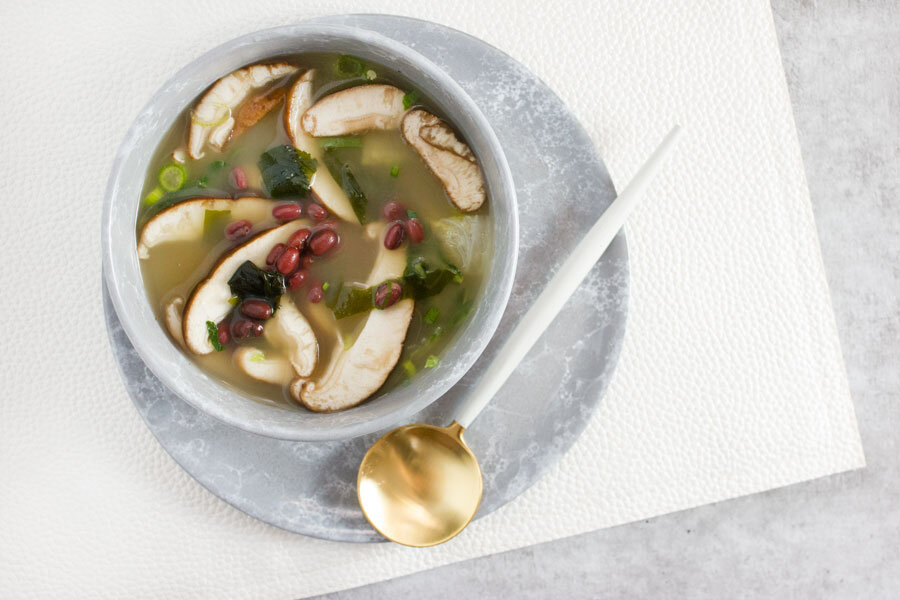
(730, 381)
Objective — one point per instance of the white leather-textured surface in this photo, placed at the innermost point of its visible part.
(730, 381)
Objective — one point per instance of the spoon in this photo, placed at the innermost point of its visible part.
(420, 485)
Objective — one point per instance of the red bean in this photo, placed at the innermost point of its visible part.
(238, 229)
(223, 332)
(322, 241)
(256, 309)
(316, 212)
(244, 328)
(287, 212)
(416, 231)
(288, 261)
(394, 235)
(239, 177)
(315, 293)
(394, 211)
(274, 253)
(298, 238)
(307, 260)
(297, 279)
(387, 294)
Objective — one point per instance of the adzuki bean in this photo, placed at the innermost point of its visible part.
(315, 293)
(223, 332)
(394, 235)
(288, 261)
(387, 294)
(239, 178)
(238, 229)
(244, 328)
(416, 231)
(394, 211)
(322, 241)
(297, 279)
(298, 238)
(256, 309)
(287, 212)
(316, 212)
(274, 253)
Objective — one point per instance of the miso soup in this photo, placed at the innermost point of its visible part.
(312, 232)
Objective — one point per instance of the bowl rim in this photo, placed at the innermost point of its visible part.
(498, 281)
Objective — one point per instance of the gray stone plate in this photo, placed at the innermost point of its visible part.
(563, 186)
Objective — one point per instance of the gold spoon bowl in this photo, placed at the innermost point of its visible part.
(420, 485)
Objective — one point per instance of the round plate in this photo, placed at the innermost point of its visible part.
(562, 187)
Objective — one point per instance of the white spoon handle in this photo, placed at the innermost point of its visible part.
(564, 283)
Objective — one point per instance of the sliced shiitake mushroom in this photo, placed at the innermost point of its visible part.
(184, 221)
(355, 110)
(448, 158)
(323, 185)
(213, 120)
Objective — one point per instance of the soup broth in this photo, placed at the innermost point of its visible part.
(391, 185)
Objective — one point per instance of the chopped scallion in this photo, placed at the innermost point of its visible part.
(257, 357)
(155, 195)
(412, 214)
(431, 362)
(409, 368)
(395, 171)
(172, 177)
(213, 333)
(325, 286)
(432, 315)
(410, 99)
(329, 143)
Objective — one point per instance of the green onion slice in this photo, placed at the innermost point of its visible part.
(172, 177)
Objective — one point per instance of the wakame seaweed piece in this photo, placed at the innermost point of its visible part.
(352, 299)
(341, 172)
(357, 197)
(286, 171)
(422, 279)
(249, 281)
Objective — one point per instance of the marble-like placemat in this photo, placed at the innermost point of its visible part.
(310, 488)
(730, 379)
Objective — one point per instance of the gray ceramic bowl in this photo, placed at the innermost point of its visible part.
(122, 270)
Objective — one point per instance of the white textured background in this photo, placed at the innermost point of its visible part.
(730, 380)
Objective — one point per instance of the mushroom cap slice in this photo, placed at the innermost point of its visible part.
(355, 373)
(448, 158)
(212, 119)
(210, 299)
(354, 110)
(256, 364)
(328, 191)
(289, 329)
(173, 312)
(184, 221)
(286, 329)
